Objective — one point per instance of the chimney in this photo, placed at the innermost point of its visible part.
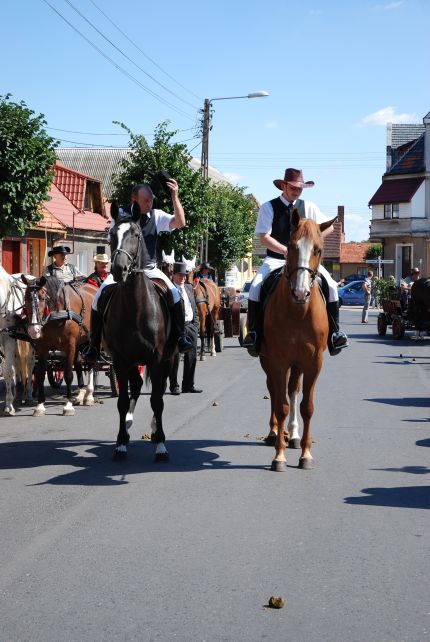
(341, 216)
(426, 121)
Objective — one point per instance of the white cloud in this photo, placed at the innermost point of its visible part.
(232, 177)
(388, 7)
(387, 115)
(315, 12)
(356, 227)
(272, 124)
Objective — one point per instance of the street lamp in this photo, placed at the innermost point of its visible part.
(205, 152)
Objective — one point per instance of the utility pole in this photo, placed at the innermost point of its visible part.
(204, 246)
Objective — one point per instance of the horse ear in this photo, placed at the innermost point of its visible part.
(327, 224)
(295, 217)
(193, 263)
(135, 211)
(24, 279)
(42, 281)
(114, 210)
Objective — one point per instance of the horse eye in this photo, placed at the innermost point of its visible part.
(317, 251)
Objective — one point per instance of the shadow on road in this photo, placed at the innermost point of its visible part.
(407, 497)
(417, 402)
(93, 464)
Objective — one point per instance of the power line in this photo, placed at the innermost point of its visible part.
(126, 56)
(142, 52)
(118, 67)
(71, 131)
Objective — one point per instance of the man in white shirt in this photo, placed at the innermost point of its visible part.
(191, 329)
(274, 227)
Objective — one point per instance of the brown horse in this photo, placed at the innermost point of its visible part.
(58, 318)
(295, 337)
(208, 303)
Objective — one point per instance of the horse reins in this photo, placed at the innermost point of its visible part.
(133, 260)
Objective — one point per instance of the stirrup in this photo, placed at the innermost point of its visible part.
(337, 342)
(250, 343)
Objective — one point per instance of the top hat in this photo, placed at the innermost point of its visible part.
(294, 177)
(59, 249)
(160, 179)
(180, 268)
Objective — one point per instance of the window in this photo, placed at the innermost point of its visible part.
(391, 210)
(82, 261)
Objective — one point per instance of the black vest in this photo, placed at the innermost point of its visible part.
(281, 225)
(149, 231)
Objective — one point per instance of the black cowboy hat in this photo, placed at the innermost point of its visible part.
(160, 180)
(59, 249)
(180, 268)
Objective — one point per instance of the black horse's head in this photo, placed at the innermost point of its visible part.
(127, 243)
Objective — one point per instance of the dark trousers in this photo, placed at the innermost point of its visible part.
(190, 361)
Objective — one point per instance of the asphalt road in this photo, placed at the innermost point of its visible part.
(192, 550)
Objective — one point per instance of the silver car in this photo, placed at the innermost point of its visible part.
(243, 296)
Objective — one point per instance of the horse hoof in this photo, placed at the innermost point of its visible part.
(38, 413)
(9, 412)
(294, 443)
(161, 457)
(89, 401)
(68, 412)
(306, 464)
(119, 455)
(270, 440)
(279, 466)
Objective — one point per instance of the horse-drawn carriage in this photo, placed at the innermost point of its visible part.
(406, 314)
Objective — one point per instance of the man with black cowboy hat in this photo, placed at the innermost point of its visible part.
(152, 222)
(205, 271)
(191, 328)
(60, 267)
(273, 228)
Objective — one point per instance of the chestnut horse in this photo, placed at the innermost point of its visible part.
(58, 318)
(208, 301)
(294, 339)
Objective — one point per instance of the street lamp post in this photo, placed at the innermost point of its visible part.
(205, 153)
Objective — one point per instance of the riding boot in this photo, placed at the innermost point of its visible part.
(253, 338)
(336, 338)
(178, 323)
(92, 353)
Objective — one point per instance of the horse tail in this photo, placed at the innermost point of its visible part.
(147, 376)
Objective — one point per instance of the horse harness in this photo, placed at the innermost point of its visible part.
(67, 314)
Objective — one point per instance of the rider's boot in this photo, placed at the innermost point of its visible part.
(178, 322)
(253, 338)
(336, 338)
(92, 353)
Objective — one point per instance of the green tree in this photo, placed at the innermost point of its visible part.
(143, 161)
(27, 156)
(231, 227)
(374, 251)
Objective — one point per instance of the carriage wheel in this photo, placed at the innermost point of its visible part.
(382, 325)
(219, 336)
(398, 328)
(113, 382)
(55, 376)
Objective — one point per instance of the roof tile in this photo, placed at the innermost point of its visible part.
(400, 190)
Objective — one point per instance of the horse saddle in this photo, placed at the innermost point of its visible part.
(163, 291)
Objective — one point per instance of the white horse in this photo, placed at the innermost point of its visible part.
(18, 355)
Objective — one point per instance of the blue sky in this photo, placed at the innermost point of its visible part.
(336, 72)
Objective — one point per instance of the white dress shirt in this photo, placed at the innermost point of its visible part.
(189, 314)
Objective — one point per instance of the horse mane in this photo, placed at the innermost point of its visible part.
(54, 287)
(307, 229)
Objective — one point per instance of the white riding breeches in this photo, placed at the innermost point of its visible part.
(151, 273)
(271, 264)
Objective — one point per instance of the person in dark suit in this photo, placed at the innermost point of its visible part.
(191, 330)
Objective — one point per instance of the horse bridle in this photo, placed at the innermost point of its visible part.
(133, 259)
(289, 274)
(41, 320)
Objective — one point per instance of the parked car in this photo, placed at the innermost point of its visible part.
(351, 293)
(243, 296)
(354, 277)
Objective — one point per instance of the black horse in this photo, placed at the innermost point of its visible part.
(419, 304)
(136, 330)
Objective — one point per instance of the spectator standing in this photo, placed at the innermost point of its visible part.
(367, 288)
(191, 330)
(101, 261)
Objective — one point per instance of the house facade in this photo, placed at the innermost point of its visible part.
(74, 216)
(401, 204)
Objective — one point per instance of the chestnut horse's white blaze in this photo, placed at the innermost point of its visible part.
(302, 288)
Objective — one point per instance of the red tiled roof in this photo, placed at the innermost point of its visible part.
(64, 211)
(333, 241)
(399, 190)
(71, 183)
(49, 221)
(354, 252)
